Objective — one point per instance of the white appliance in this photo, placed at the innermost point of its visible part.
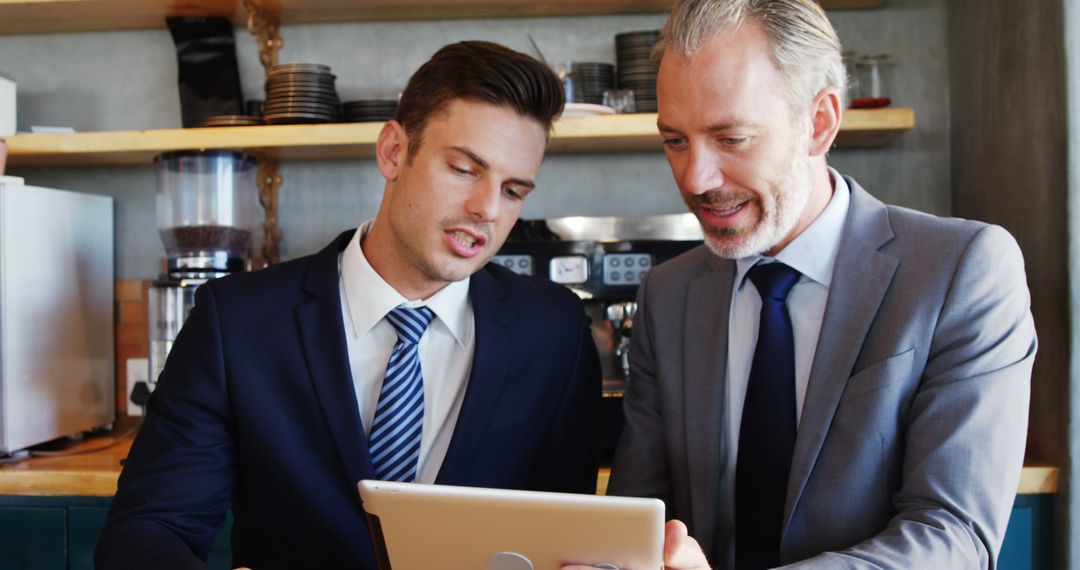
(7, 106)
(56, 314)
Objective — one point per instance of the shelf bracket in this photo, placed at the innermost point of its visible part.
(266, 29)
(264, 25)
(269, 182)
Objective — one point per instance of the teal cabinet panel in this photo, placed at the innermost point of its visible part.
(221, 553)
(1016, 552)
(219, 561)
(33, 538)
(1028, 539)
(84, 528)
(61, 533)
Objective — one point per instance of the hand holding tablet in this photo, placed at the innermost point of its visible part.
(681, 551)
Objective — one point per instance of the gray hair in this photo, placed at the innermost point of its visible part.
(804, 45)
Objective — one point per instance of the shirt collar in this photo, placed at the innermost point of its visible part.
(813, 252)
(370, 297)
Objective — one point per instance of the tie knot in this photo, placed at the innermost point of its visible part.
(773, 280)
(410, 324)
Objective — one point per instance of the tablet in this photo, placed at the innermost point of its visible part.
(421, 527)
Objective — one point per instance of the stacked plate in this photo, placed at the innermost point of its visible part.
(232, 121)
(590, 80)
(300, 93)
(633, 54)
(369, 110)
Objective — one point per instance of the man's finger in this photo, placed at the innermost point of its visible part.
(681, 552)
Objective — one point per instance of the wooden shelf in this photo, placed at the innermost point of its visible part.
(345, 141)
(49, 16)
(866, 128)
(1035, 479)
(1039, 478)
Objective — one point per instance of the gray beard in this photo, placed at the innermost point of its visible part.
(776, 222)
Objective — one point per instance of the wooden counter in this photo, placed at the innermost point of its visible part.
(86, 473)
(94, 474)
(1034, 480)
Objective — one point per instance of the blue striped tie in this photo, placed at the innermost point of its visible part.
(394, 442)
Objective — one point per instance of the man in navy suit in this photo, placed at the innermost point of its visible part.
(267, 400)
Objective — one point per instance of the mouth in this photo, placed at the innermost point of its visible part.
(721, 214)
(464, 242)
(463, 238)
(726, 211)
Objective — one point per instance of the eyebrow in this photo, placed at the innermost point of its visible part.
(719, 127)
(484, 164)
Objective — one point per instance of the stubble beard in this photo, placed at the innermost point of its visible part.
(780, 206)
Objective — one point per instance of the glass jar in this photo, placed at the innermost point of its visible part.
(206, 203)
(874, 73)
(851, 90)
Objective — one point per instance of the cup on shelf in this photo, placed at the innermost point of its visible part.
(565, 72)
(622, 100)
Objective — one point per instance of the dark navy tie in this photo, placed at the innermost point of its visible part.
(767, 432)
(398, 425)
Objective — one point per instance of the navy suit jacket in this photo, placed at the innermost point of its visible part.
(256, 410)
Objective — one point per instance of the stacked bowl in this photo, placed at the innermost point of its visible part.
(637, 71)
(232, 121)
(301, 93)
(369, 110)
(590, 80)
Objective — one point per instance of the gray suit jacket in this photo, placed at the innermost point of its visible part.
(913, 428)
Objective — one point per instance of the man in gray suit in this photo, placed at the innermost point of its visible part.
(879, 418)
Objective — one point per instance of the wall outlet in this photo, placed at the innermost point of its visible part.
(138, 372)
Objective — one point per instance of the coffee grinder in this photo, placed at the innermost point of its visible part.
(206, 211)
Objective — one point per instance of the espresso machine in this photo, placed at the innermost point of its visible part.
(206, 211)
(602, 260)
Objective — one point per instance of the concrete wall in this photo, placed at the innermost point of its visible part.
(126, 80)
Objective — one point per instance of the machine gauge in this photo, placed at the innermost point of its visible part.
(569, 269)
(625, 268)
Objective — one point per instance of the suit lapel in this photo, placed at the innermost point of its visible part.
(708, 304)
(860, 280)
(495, 322)
(328, 362)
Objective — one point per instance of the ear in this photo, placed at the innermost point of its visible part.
(391, 149)
(825, 114)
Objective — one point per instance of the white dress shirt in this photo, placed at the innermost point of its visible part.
(813, 254)
(446, 349)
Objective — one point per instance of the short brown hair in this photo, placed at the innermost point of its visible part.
(479, 71)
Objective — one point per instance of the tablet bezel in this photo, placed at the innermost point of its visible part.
(429, 526)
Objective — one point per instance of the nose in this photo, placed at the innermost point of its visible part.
(484, 201)
(701, 171)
